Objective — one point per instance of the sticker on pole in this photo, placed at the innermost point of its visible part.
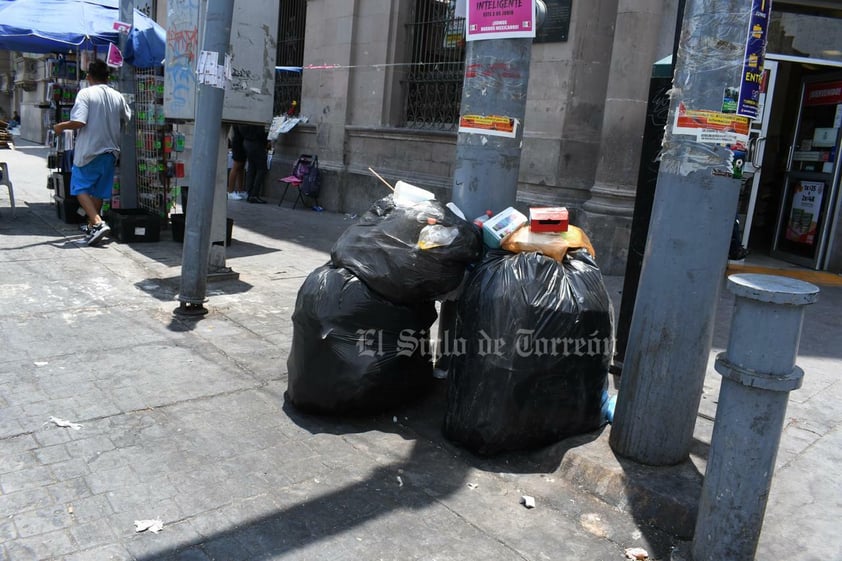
(500, 19)
(493, 125)
(711, 127)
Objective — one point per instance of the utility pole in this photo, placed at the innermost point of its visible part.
(209, 102)
(687, 247)
(487, 166)
(489, 141)
(128, 140)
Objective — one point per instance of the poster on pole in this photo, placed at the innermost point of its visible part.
(500, 19)
(755, 52)
(711, 127)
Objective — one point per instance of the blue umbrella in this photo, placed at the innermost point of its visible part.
(46, 26)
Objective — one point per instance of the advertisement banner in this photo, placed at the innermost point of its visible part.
(711, 127)
(752, 73)
(500, 19)
(804, 215)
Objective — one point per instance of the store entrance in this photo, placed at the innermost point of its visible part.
(788, 206)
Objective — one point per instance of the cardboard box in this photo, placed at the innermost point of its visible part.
(130, 225)
(496, 228)
(548, 219)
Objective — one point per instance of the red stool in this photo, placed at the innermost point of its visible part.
(295, 182)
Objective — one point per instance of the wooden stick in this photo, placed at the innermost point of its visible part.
(377, 175)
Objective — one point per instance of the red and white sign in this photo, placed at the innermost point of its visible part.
(823, 93)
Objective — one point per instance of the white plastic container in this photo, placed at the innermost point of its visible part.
(407, 194)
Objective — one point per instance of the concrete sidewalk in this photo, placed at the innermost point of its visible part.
(184, 421)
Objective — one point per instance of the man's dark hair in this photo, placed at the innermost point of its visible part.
(98, 70)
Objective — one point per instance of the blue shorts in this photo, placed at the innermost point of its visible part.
(95, 178)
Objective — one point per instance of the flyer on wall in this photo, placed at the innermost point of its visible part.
(500, 19)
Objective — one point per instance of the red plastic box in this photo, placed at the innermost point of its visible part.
(548, 219)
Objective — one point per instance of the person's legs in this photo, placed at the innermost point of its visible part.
(236, 179)
(91, 184)
(256, 171)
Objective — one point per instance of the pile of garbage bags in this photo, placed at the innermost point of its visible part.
(528, 360)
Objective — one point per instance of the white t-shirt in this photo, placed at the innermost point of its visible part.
(102, 109)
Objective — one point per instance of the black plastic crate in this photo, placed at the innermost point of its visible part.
(67, 210)
(134, 225)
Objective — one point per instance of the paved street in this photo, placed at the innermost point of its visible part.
(184, 421)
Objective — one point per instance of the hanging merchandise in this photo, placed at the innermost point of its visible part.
(156, 192)
(534, 344)
(353, 351)
(382, 249)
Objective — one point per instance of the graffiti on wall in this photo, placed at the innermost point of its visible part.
(182, 47)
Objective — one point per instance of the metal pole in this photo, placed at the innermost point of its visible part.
(194, 262)
(758, 372)
(487, 166)
(128, 141)
(686, 250)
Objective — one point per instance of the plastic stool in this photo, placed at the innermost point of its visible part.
(5, 180)
(296, 182)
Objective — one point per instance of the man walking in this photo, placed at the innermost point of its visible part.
(97, 114)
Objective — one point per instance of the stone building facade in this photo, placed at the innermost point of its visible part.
(585, 108)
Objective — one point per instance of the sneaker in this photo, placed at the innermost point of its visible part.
(232, 196)
(96, 233)
(85, 229)
(317, 208)
(242, 195)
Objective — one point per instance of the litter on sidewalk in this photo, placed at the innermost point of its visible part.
(153, 526)
(64, 424)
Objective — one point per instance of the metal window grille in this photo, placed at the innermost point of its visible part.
(434, 81)
(291, 24)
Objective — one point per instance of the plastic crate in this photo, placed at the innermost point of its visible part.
(131, 225)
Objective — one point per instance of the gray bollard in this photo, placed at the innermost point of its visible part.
(758, 372)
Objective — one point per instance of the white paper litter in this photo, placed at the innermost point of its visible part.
(39, 363)
(400, 481)
(153, 526)
(637, 553)
(527, 501)
(64, 424)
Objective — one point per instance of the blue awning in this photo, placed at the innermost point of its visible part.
(61, 26)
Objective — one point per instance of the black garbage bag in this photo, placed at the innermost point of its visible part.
(354, 352)
(534, 341)
(381, 249)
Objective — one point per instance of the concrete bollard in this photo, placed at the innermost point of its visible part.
(758, 372)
